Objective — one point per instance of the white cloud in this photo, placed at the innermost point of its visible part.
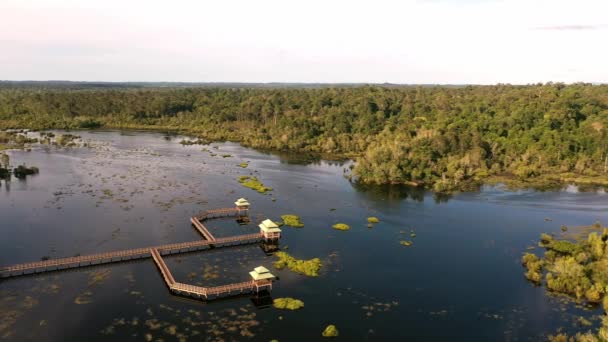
(408, 41)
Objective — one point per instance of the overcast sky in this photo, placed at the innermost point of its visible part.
(404, 41)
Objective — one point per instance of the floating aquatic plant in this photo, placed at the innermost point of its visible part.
(330, 331)
(307, 267)
(292, 220)
(406, 243)
(341, 226)
(373, 219)
(288, 303)
(253, 183)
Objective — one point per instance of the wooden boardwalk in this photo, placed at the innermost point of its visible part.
(198, 291)
(202, 229)
(156, 253)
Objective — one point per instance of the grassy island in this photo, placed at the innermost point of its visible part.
(341, 226)
(306, 267)
(254, 184)
(288, 303)
(292, 221)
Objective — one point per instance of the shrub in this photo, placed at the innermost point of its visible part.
(545, 238)
(563, 246)
(594, 293)
(596, 244)
(533, 276)
(527, 258)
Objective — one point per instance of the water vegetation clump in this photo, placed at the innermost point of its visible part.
(306, 267)
(199, 141)
(292, 220)
(288, 303)
(22, 171)
(406, 243)
(578, 269)
(341, 226)
(254, 184)
(67, 140)
(373, 219)
(330, 331)
(244, 165)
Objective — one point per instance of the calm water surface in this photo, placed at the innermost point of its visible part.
(460, 281)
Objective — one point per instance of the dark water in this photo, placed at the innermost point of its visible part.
(460, 281)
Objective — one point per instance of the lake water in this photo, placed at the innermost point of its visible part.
(461, 280)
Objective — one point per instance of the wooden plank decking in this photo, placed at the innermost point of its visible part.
(202, 229)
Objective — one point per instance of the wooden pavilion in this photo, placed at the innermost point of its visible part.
(270, 230)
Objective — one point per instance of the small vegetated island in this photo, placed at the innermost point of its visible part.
(308, 268)
(373, 219)
(292, 221)
(444, 138)
(288, 303)
(254, 184)
(575, 267)
(341, 226)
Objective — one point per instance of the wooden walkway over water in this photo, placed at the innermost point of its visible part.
(156, 253)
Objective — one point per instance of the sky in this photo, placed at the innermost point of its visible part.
(326, 41)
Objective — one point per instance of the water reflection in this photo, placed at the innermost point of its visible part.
(391, 192)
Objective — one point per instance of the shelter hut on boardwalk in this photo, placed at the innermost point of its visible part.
(270, 230)
(242, 204)
(262, 278)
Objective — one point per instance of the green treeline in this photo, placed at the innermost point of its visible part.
(444, 137)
